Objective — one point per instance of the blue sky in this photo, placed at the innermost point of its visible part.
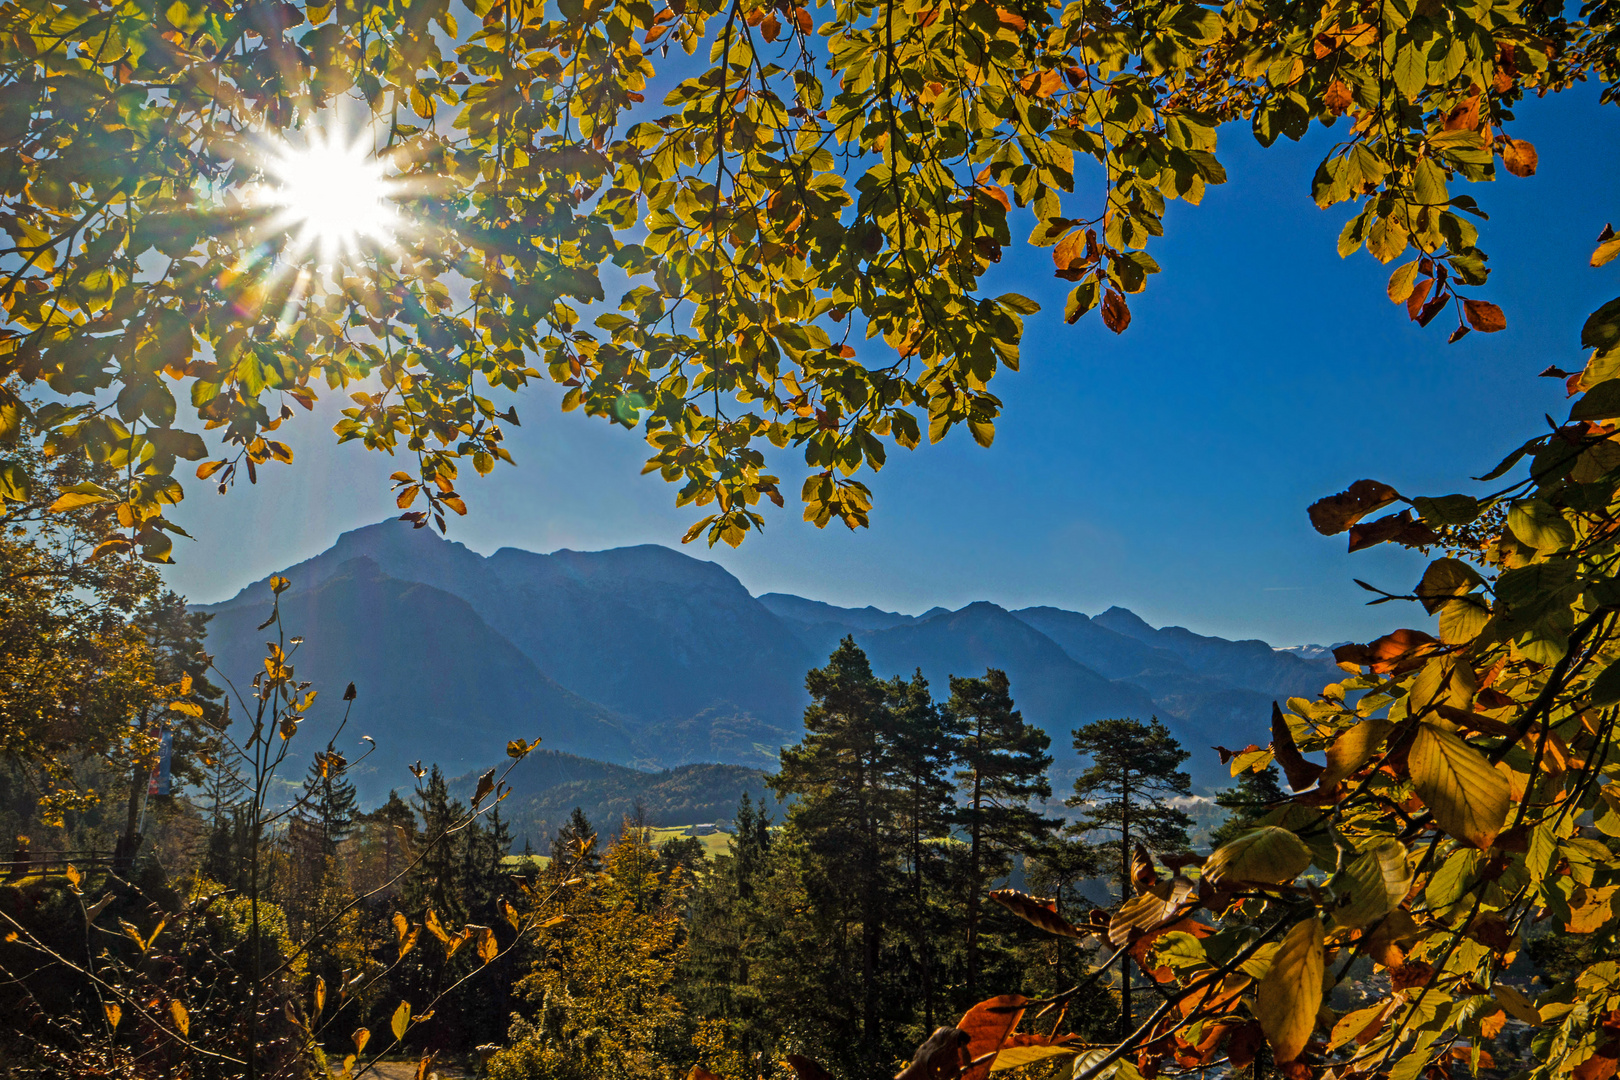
(1166, 470)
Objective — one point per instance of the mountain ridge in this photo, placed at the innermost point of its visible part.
(647, 657)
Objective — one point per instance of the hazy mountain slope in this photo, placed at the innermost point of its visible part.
(1202, 706)
(821, 626)
(1053, 690)
(649, 632)
(435, 681)
(1108, 652)
(400, 551)
(547, 786)
(1252, 664)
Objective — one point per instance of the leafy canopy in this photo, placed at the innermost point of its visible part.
(782, 240)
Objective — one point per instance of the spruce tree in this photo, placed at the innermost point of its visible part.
(436, 884)
(329, 801)
(1003, 770)
(839, 773)
(576, 849)
(1134, 771)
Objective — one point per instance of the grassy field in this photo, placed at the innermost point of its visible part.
(714, 843)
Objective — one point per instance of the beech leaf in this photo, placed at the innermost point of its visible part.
(1469, 798)
(1290, 995)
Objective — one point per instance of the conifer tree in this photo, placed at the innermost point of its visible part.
(1003, 763)
(436, 884)
(923, 741)
(575, 851)
(330, 803)
(1134, 771)
(839, 773)
(1248, 801)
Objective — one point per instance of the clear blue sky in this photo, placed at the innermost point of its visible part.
(1166, 470)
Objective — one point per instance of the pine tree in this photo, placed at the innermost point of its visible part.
(923, 740)
(1003, 770)
(839, 774)
(1134, 771)
(1254, 794)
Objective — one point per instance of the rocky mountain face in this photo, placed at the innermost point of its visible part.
(649, 658)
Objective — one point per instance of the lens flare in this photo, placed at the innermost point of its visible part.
(331, 197)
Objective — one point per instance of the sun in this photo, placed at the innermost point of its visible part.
(332, 197)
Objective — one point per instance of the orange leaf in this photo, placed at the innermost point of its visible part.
(987, 1025)
(1520, 157)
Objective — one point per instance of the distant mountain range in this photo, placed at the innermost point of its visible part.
(648, 658)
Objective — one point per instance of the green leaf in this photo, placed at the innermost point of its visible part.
(1602, 329)
(1266, 856)
(1540, 525)
(1601, 402)
(1372, 885)
(1605, 689)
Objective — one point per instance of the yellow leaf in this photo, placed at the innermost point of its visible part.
(1468, 797)
(1290, 995)
(115, 1013)
(401, 1020)
(408, 942)
(1352, 749)
(361, 1036)
(509, 913)
(182, 1019)
(279, 584)
(1269, 856)
(488, 948)
(1516, 1004)
(435, 927)
(72, 500)
(320, 993)
(401, 926)
(72, 874)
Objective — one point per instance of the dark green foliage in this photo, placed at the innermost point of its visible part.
(1002, 770)
(1247, 802)
(1134, 771)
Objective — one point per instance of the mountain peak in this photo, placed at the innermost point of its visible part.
(1125, 621)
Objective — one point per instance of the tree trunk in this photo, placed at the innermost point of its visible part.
(973, 896)
(1125, 894)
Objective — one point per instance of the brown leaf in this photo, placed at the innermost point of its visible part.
(1520, 157)
(1301, 773)
(1412, 973)
(1415, 299)
(1042, 913)
(700, 1073)
(1337, 513)
(806, 1069)
(1144, 875)
(1485, 317)
(942, 1056)
(1115, 313)
(1338, 97)
(1392, 528)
